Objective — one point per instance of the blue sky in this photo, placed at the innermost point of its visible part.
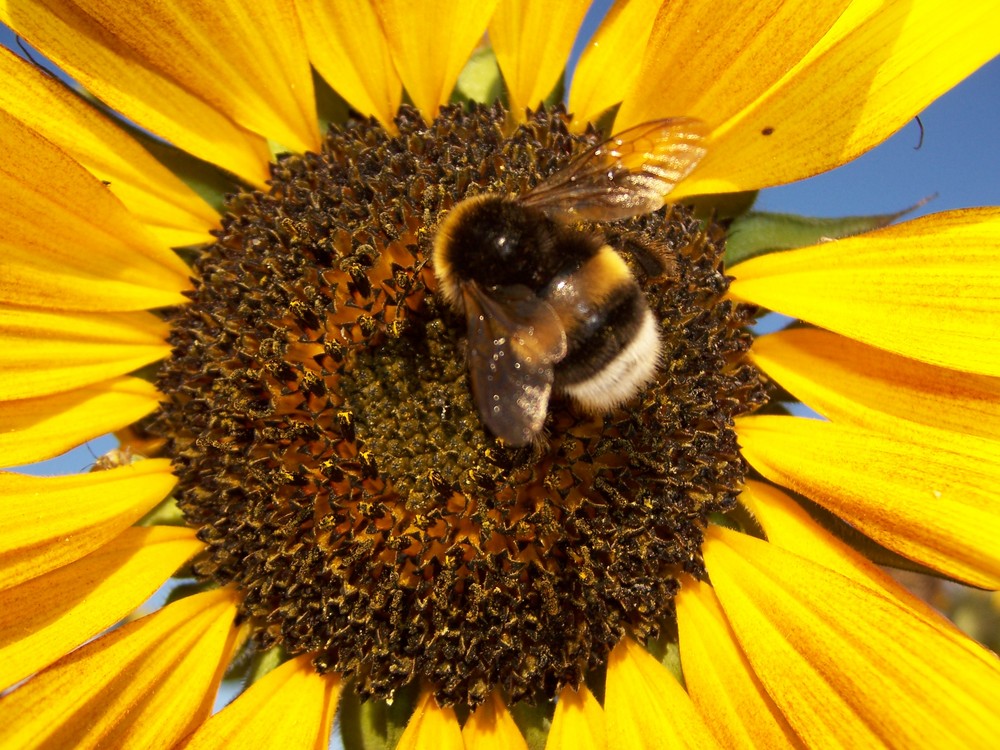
(959, 160)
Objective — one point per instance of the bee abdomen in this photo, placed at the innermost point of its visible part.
(612, 353)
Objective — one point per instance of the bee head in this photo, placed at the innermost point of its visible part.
(495, 241)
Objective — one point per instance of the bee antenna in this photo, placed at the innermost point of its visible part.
(920, 125)
(30, 57)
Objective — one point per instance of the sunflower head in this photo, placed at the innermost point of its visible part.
(330, 451)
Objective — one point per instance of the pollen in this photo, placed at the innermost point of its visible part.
(320, 419)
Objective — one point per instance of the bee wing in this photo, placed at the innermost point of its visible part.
(627, 175)
(515, 338)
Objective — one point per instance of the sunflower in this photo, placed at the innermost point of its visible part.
(301, 457)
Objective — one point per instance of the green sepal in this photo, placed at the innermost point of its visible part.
(237, 672)
(149, 372)
(375, 724)
(187, 587)
(534, 722)
(263, 662)
(722, 206)
(666, 649)
(738, 518)
(331, 108)
(758, 233)
(725, 520)
(558, 94)
(210, 182)
(605, 122)
(480, 79)
(165, 514)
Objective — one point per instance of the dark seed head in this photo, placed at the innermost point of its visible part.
(319, 417)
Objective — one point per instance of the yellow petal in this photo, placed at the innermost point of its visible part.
(47, 522)
(925, 289)
(431, 41)
(348, 48)
(646, 707)
(609, 64)
(173, 212)
(710, 60)
(933, 504)
(47, 617)
(147, 684)
(847, 381)
(877, 68)
(154, 76)
(246, 61)
(67, 242)
(43, 352)
(847, 666)
(491, 727)
(431, 727)
(788, 526)
(290, 707)
(251, 60)
(578, 723)
(38, 428)
(719, 679)
(532, 42)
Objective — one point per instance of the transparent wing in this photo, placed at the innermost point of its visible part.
(515, 338)
(628, 175)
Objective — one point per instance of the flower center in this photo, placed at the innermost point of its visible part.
(320, 418)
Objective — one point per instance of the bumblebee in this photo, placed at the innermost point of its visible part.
(547, 305)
